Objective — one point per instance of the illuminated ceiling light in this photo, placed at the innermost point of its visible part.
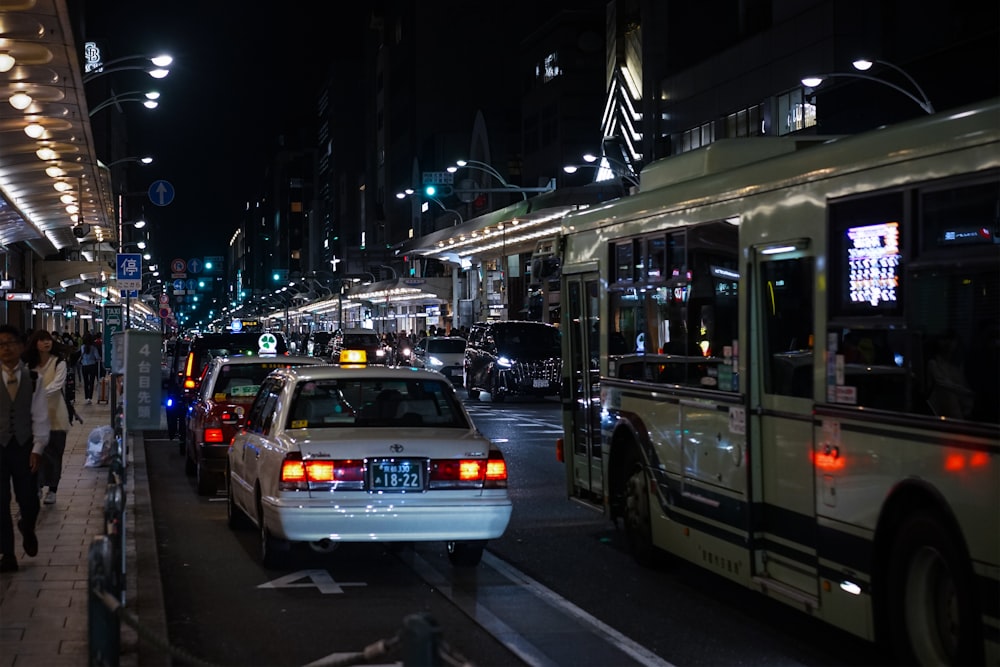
(62, 186)
(46, 153)
(34, 130)
(74, 218)
(6, 61)
(54, 171)
(72, 209)
(67, 198)
(20, 100)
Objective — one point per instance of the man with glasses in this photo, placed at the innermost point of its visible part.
(24, 433)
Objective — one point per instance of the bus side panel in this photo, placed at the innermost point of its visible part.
(696, 455)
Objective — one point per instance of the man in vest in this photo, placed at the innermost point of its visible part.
(24, 433)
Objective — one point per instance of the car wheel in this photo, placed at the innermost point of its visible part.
(473, 393)
(206, 481)
(465, 554)
(234, 515)
(272, 549)
(638, 526)
(931, 596)
(496, 391)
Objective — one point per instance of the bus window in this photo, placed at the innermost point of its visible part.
(787, 326)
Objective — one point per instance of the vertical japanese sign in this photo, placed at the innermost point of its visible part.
(112, 325)
(141, 390)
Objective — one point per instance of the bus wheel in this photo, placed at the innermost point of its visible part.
(638, 530)
(932, 608)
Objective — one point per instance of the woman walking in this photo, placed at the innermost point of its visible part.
(51, 369)
(90, 357)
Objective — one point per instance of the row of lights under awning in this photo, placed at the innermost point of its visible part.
(50, 178)
(514, 229)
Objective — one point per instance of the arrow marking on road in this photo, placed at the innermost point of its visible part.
(320, 579)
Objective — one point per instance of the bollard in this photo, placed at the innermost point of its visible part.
(421, 639)
(114, 528)
(103, 627)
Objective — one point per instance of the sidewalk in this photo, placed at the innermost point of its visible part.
(43, 606)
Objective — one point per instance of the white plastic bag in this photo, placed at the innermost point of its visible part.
(100, 447)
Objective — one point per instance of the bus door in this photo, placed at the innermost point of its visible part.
(581, 392)
(782, 366)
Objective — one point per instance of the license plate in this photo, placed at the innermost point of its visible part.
(540, 384)
(397, 475)
(457, 372)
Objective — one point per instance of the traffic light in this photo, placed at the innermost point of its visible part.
(434, 190)
(430, 190)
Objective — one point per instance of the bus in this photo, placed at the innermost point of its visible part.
(780, 363)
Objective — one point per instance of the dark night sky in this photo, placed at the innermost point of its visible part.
(242, 73)
(240, 77)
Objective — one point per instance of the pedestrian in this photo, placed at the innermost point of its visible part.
(24, 433)
(90, 357)
(45, 360)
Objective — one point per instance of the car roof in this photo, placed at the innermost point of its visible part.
(328, 371)
(239, 359)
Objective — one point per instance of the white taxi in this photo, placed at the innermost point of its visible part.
(334, 454)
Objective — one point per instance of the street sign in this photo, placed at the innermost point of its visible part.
(179, 284)
(438, 178)
(194, 265)
(178, 266)
(164, 299)
(161, 192)
(129, 274)
(17, 296)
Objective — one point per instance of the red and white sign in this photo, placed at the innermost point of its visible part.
(178, 265)
(18, 296)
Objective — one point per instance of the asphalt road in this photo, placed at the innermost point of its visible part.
(559, 588)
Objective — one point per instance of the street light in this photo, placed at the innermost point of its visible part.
(604, 169)
(486, 168)
(863, 65)
(141, 160)
(157, 71)
(148, 100)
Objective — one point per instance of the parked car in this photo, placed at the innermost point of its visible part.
(228, 388)
(513, 358)
(444, 354)
(200, 350)
(356, 346)
(338, 454)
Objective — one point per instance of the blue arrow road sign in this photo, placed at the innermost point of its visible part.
(161, 192)
(178, 284)
(194, 265)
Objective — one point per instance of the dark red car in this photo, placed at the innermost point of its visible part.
(228, 386)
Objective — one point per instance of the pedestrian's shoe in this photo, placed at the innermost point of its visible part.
(29, 539)
(8, 563)
(88, 401)
(50, 499)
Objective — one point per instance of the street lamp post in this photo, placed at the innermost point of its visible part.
(98, 69)
(487, 168)
(148, 99)
(863, 65)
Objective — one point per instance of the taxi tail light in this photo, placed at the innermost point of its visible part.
(320, 474)
(213, 435)
(490, 473)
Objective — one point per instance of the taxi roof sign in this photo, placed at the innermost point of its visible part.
(267, 344)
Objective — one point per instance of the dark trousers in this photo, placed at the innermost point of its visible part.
(89, 378)
(50, 471)
(15, 471)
